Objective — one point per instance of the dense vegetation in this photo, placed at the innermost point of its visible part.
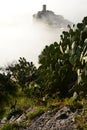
(62, 70)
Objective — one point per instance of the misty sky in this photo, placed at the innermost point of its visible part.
(72, 9)
(21, 36)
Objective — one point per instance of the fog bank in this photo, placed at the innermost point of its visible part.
(21, 36)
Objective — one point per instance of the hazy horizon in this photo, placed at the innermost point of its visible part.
(20, 36)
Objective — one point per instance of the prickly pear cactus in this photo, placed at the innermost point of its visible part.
(74, 44)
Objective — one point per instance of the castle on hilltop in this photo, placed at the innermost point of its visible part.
(43, 13)
(50, 18)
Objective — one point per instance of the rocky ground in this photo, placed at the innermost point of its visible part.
(63, 119)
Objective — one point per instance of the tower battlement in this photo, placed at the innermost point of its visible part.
(44, 8)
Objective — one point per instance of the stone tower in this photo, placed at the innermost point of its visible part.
(44, 8)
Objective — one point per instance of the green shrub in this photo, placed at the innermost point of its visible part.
(36, 112)
(64, 63)
(8, 127)
(52, 103)
(81, 120)
(73, 104)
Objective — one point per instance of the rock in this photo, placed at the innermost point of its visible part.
(28, 110)
(41, 121)
(21, 119)
(4, 120)
(62, 120)
(12, 119)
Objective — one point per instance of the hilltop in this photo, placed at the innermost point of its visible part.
(50, 18)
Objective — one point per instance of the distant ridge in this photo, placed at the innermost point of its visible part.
(50, 18)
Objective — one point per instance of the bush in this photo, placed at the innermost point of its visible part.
(36, 112)
(8, 127)
(63, 64)
(73, 104)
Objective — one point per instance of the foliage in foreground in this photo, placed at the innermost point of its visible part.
(63, 66)
(23, 72)
(62, 70)
(8, 127)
